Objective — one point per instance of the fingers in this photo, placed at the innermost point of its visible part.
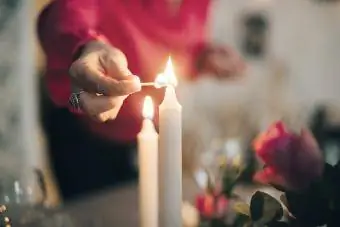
(101, 108)
(111, 86)
(106, 116)
(91, 79)
(102, 73)
(114, 63)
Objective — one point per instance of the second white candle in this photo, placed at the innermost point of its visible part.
(170, 155)
(148, 168)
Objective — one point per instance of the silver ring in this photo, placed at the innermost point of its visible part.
(100, 90)
(74, 100)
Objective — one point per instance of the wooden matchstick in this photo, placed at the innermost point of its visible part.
(148, 84)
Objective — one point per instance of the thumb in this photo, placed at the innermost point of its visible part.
(130, 84)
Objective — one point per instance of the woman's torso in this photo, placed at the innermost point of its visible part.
(148, 32)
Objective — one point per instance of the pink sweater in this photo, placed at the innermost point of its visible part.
(145, 30)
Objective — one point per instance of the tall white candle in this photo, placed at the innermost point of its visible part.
(170, 155)
(148, 168)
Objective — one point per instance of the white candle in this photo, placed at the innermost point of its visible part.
(170, 155)
(148, 168)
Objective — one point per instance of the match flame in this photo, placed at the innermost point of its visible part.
(148, 108)
(168, 77)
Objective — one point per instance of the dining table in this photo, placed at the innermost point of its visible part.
(118, 207)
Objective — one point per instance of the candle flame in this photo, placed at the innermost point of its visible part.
(168, 77)
(148, 109)
(169, 72)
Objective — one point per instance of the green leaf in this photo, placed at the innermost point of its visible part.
(242, 221)
(256, 206)
(278, 187)
(229, 181)
(264, 208)
(311, 206)
(283, 199)
(242, 208)
(308, 207)
(217, 223)
(248, 224)
(278, 224)
(234, 196)
(204, 224)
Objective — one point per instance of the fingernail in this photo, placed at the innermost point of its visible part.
(136, 77)
(137, 82)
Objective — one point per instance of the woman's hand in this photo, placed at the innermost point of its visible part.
(222, 61)
(101, 81)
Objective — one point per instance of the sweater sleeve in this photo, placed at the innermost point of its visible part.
(65, 25)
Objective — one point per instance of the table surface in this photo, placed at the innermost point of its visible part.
(119, 207)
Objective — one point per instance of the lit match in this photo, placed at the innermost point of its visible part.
(148, 84)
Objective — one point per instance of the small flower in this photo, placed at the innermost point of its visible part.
(204, 204)
(292, 161)
(237, 161)
(221, 206)
(222, 161)
(211, 205)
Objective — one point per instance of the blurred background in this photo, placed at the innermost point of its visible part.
(292, 49)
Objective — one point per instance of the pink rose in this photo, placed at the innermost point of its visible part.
(291, 160)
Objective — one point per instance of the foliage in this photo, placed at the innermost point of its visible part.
(264, 210)
(214, 205)
(311, 189)
(292, 164)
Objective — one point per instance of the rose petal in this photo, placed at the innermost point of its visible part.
(269, 176)
(200, 203)
(259, 141)
(291, 160)
(261, 177)
(205, 205)
(280, 127)
(308, 139)
(209, 203)
(267, 142)
(221, 206)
